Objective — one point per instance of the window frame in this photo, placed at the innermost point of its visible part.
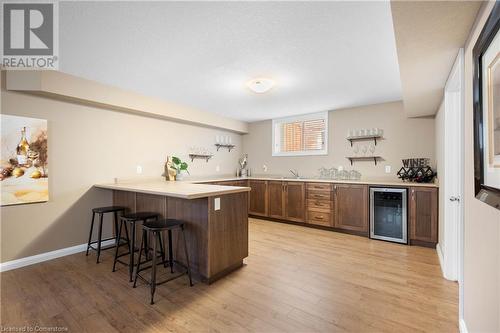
(305, 117)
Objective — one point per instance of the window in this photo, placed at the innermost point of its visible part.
(301, 135)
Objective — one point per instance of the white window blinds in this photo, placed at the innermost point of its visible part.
(302, 135)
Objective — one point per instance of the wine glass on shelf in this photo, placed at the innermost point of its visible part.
(364, 149)
(371, 149)
(356, 150)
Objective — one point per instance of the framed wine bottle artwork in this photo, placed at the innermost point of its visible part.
(486, 94)
(24, 169)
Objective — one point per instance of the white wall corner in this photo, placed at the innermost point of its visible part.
(27, 261)
(440, 254)
(441, 259)
(461, 326)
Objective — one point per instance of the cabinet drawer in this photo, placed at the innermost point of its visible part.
(319, 218)
(318, 187)
(318, 195)
(315, 204)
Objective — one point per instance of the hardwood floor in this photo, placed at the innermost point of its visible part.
(295, 279)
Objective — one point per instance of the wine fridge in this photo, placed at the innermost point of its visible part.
(388, 214)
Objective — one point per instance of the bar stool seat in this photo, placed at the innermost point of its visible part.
(108, 209)
(100, 211)
(131, 219)
(161, 225)
(140, 216)
(156, 228)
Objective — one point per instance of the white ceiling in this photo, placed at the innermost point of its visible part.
(323, 55)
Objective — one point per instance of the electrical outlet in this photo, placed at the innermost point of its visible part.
(217, 204)
(387, 169)
(139, 169)
(217, 168)
(264, 167)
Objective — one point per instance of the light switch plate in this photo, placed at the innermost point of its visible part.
(217, 168)
(387, 169)
(139, 169)
(217, 204)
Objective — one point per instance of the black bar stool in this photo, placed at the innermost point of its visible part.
(156, 228)
(131, 219)
(100, 211)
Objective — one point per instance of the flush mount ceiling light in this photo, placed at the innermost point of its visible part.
(260, 85)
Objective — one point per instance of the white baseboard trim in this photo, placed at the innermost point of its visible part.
(18, 263)
(441, 259)
(461, 326)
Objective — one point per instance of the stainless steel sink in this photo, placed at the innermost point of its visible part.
(291, 178)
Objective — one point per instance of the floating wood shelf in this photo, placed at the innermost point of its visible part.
(199, 156)
(364, 158)
(364, 137)
(220, 145)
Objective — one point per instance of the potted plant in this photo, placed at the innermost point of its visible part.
(180, 167)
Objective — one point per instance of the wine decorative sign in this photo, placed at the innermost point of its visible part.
(24, 160)
(416, 170)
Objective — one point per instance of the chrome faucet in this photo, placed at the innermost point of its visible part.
(295, 173)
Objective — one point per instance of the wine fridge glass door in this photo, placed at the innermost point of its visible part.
(388, 214)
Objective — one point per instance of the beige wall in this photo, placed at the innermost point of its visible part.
(440, 132)
(403, 137)
(54, 83)
(482, 224)
(90, 145)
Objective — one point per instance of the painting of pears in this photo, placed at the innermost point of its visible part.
(24, 170)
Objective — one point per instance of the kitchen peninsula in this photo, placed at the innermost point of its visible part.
(216, 219)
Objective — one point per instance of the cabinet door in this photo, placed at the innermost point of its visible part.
(295, 201)
(258, 197)
(351, 207)
(424, 214)
(276, 199)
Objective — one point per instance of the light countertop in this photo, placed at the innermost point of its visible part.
(177, 189)
(198, 188)
(378, 182)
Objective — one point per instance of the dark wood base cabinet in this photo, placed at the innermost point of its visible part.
(351, 208)
(423, 216)
(295, 201)
(320, 204)
(338, 207)
(258, 202)
(287, 200)
(276, 199)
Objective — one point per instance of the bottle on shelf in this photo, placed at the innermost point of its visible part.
(22, 149)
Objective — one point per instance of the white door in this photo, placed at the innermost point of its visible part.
(453, 170)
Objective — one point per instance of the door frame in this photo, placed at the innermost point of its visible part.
(454, 231)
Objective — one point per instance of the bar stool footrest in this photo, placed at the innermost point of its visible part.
(106, 247)
(161, 263)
